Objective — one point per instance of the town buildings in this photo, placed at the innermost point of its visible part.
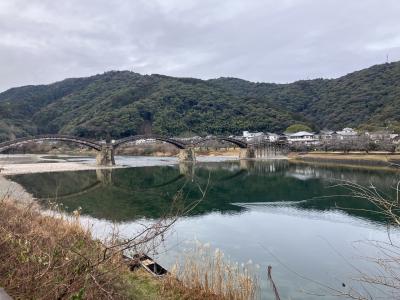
(345, 135)
(303, 137)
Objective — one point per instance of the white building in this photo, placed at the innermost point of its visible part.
(252, 136)
(347, 133)
(303, 137)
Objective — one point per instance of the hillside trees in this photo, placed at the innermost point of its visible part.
(298, 127)
(124, 103)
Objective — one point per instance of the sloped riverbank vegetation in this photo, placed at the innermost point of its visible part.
(50, 256)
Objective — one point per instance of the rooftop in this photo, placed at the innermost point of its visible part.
(301, 133)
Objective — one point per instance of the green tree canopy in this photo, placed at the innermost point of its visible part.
(298, 127)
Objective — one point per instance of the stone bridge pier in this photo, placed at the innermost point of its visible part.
(187, 155)
(105, 157)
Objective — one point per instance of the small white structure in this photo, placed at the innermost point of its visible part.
(347, 133)
(251, 136)
(272, 137)
(303, 137)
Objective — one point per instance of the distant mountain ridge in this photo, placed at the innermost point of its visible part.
(367, 97)
(121, 103)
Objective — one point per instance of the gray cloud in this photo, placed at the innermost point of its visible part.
(259, 40)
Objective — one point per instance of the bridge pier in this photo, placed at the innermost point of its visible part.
(247, 153)
(105, 157)
(270, 150)
(263, 151)
(187, 155)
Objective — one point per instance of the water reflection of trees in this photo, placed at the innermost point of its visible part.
(129, 194)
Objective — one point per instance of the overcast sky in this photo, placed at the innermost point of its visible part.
(259, 40)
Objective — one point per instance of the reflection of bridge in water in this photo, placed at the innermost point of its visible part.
(133, 193)
(105, 178)
(187, 171)
(105, 155)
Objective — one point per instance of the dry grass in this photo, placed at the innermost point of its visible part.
(213, 276)
(47, 257)
(51, 257)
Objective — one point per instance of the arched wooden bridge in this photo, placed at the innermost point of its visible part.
(177, 143)
(239, 143)
(50, 137)
(106, 150)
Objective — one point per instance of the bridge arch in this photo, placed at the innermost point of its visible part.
(50, 137)
(98, 184)
(178, 144)
(239, 143)
(84, 191)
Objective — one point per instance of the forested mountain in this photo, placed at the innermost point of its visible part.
(370, 97)
(124, 103)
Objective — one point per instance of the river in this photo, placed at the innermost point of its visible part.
(291, 216)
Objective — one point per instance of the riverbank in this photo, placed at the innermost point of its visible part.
(33, 163)
(385, 160)
(48, 254)
(15, 169)
(49, 257)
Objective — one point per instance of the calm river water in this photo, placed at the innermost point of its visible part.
(290, 216)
